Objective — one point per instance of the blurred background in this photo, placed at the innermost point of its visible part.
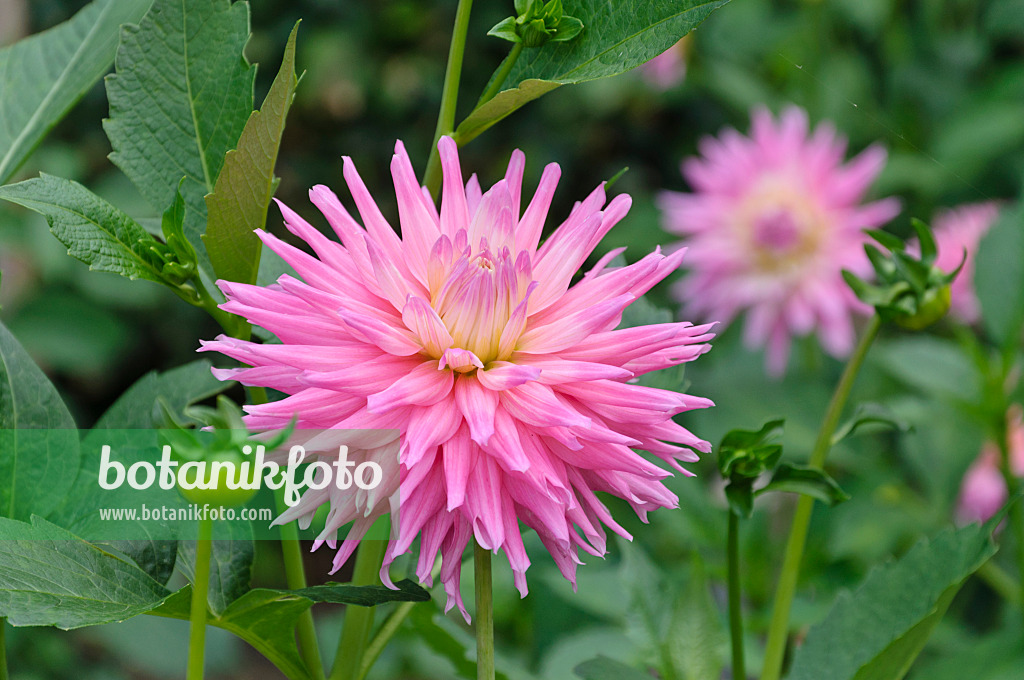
(939, 83)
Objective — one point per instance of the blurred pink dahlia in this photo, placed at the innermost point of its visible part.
(772, 221)
(983, 490)
(668, 69)
(957, 230)
(510, 388)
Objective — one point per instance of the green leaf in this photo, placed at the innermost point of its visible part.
(239, 202)
(696, 635)
(999, 276)
(265, 618)
(179, 99)
(603, 668)
(46, 74)
(39, 449)
(876, 632)
(49, 577)
(364, 596)
(506, 30)
(499, 106)
(869, 414)
(179, 388)
(617, 35)
(94, 231)
(805, 480)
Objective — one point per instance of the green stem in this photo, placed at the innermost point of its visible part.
(358, 620)
(200, 590)
(501, 75)
(449, 95)
(484, 614)
(3, 649)
(1001, 582)
(739, 671)
(295, 576)
(383, 637)
(778, 629)
(234, 326)
(1013, 486)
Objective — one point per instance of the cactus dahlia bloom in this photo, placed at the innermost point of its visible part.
(773, 220)
(511, 388)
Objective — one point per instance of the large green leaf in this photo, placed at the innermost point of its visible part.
(179, 388)
(618, 35)
(136, 408)
(38, 443)
(43, 76)
(265, 618)
(603, 668)
(876, 632)
(239, 202)
(999, 276)
(179, 99)
(94, 231)
(696, 638)
(49, 577)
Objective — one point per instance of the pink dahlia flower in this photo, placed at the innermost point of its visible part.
(957, 230)
(511, 389)
(983, 490)
(773, 220)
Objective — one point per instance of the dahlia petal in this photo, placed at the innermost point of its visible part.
(531, 225)
(454, 207)
(573, 328)
(421, 319)
(502, 375)
(423, 386)
(477, 404)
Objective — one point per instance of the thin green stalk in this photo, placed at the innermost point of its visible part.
(200, 590)
(1013, 486)
(1001, 582)
(295, 576)
(739, 671)
(234, 326)
(449, 95)
(502, 74)
(778, 629)
(383, 637)
(484, 614)
(3, 649)
(355, 633)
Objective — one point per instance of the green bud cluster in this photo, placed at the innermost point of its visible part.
(909, 290)
(536, 23)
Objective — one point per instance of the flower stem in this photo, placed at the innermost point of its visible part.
(3, 649)
(384, 635)
(501, 75)
(355, 633)
(449, 95)
(778, 629)
(200, 590)
(739, 671)
(1013, 487)
(234, 326)
(1001, 582)
(484, 614)
(295, 577)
